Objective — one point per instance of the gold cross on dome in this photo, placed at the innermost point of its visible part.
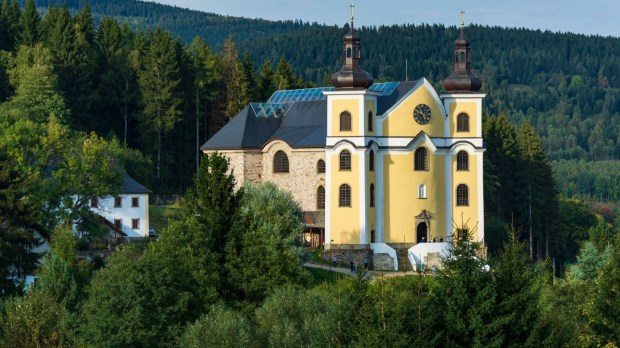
(462, 18)
(352, 7)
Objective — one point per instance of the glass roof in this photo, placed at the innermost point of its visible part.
(281, 101)
(270, 110)
(385, 88)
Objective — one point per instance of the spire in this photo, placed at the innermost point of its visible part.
(351, 75)
(462, 79)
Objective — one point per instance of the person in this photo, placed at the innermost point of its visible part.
(355, 267)
(434, 269)
(334, 259)
(351, 265)
(366, 263)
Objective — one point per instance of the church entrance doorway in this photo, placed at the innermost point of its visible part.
(421, 233)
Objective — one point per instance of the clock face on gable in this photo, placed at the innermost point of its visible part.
(422, 114)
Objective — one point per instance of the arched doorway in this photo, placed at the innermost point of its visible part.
(421, 233)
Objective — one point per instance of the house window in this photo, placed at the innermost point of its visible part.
(462, 195)
(280, 162)
(370, 121)
(462, 123)
(118, 223)
(371, 161)
(135, 202)
(320, 166)
(345, 122)
(348, 52)
(320, 198)
(94, 203)
(135, 224)
(344, 196)
(462, 161)
(421, 159)
(422, 191)
(372, 195)
(345, 160)
(118, 202)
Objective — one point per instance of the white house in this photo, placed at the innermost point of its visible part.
(129, 211)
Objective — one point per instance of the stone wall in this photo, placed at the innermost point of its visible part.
(302, 180)
(345, 256)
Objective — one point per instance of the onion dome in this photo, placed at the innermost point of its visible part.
(351, 75)
(462, 79)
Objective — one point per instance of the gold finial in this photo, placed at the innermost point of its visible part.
(352, 7)
(462, 19)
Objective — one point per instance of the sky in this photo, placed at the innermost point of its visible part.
(592, 17)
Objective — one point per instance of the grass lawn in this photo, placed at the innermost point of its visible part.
(320, 276)
(160, 214)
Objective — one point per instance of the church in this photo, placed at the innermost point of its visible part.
(391, 170)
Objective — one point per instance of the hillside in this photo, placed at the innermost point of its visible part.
(565, 84)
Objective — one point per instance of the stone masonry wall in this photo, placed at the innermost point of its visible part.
(302, 180)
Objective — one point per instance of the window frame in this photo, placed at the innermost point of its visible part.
(135, 224)
(320, 197)
(135, 202)
(462, 161)
(421, 164)
(372, 195)
(462, 195)
(346, 121)
(371, 161)
(370, 122)
(344, 159)
(281, 163)
(462, 126)
(320, 166)
(422, 193)
(118, 202)
(344, 196)
(118, 223)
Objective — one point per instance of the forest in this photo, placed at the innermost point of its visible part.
(85, 96)
(564, 84)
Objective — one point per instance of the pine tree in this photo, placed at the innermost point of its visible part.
(248, 72)
(284, 77)
(159, 78)
(30, 22)
(266, 84)
(236, 87)
(10, 14)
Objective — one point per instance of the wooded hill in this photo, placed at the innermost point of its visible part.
(565, 84)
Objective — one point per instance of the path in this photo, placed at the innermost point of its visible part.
(347, 271)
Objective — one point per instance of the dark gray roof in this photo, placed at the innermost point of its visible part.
(130, 185)
(304, 125)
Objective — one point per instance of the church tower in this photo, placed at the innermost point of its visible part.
(350, 181)
(464, 160)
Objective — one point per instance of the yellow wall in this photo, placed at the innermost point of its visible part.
(340, 106)
(470, 109)
(401, 196)
(469, 178)
(400, 122)
(344, 224)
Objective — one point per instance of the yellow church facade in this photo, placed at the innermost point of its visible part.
(387, 171)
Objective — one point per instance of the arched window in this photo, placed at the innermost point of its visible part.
(371, 161)
(280, 162)
(462, 123)
(345, 160)
(320, 166)
(344, 196)
(462, 195)
(356, 52)
(372, 195)
(422, 191)
(462, 161)
(345, 122)
(348, 52)
(370, 121)
(421, 159)
(462, 54)
(320, 198)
